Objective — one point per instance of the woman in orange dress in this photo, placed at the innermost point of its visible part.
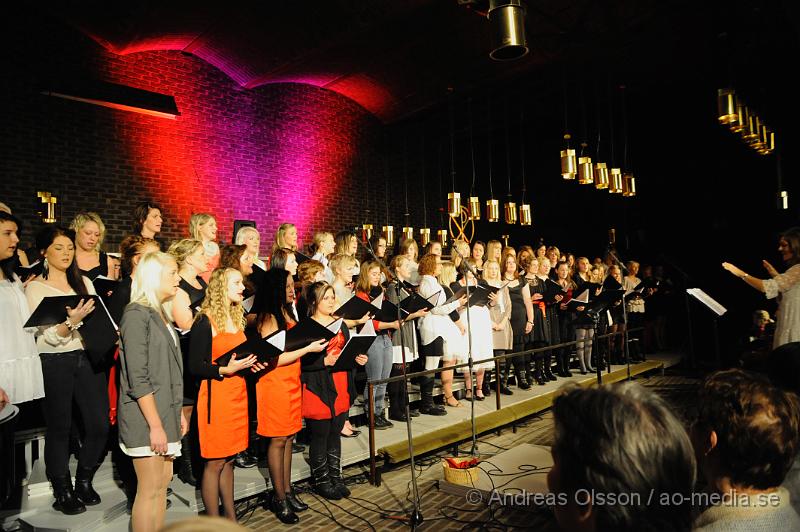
(326, 395)
(278, 391)
(222, 400)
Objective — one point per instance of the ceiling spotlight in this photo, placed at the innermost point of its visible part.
(507, 18)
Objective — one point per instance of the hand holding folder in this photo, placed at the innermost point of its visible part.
(358, 344)
(356, 308)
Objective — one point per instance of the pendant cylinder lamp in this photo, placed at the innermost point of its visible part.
(507, 20)
(492, 210)
(441, 234)
(408, 232)
(366, 231)
(585, 171)
(510, 208)
(525, 217)
(738, 125)
(601, 176)
(454, 204)
(615, 181)
(474, 208)
(753, 129)
(628, 185)
(424, 236)
(388, 234)
(726, 104)
(568, 164)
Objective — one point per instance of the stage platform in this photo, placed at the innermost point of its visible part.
(429, 433)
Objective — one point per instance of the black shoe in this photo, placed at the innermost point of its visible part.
(283, 511)
(486, 389)
(353, 434)
(381, 423)
(505, 390)
(433, 410)
(83, 486)
(326, 489)
(298, 448)
(523, 384)
(294, 502)
(548, 374)
(414, 412)
(399, 416)
(66, 501)
(245, 460)
(480, 397)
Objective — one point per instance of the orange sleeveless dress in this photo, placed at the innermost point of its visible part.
(227, 432)
(279, 399)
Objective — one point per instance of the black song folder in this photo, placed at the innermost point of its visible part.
(355, 308)
(24, 272)
(263, 348)
(357, 344)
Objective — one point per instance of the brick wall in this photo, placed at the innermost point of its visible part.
(284, 152)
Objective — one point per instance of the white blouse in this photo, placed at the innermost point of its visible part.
(787, 284)
(47, 339)
(20, 366)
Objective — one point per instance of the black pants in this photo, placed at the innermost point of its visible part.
(325, 441)
(69, 377)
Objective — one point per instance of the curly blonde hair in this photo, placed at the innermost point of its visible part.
(216, 304)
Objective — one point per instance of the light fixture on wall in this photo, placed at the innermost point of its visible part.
(408, 232)
(601, 176)
(366, 231)
(745, 121)
(628, 185)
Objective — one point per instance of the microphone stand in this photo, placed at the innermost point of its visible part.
(470, 368)
(415, 518)
(624, 314)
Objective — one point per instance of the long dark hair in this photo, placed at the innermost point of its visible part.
(271, 298)
(279, 258)
(792, 237)
(8, 265)
(45, 238)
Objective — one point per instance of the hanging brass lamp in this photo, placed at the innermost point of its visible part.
(585, 171)
(424, 236)
(388, 234)
(525, 217)
(474, 208)
(408, 232)
(753, 130)
(601, 176)
(742, 113)
(615, 181)
(628, 185)
(441, 234)
(454, 204)
(767, 141)
(492, 210)
(366, 231)
(510, 208)
(726, 105)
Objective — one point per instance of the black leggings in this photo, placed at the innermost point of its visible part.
(69, 377)
(325, 436)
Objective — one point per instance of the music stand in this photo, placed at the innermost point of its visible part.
(718, 310)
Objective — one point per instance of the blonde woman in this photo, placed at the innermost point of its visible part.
(583, 270)
(324, 246)
(285, 237)
(249, 236)
(92, 260)
(521, 317)
(151, 423)
(494, 249)
(222, 418)
(410, 249)
(459, 252)
(455, 342)
(346, 244)
(502, 336)
(203, 227)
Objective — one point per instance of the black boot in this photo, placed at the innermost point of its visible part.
(538, 374)
(548, 372)
(397, 396)
(185, 471)
(322, 480)
(563, 364)
(335, 474)
(504, 370)
(294, 501)
(282, 510)
(66, 501)
(521, 372)
(427, 405)
(83, 486)
(487, 385)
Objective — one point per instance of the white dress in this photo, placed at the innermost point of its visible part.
(480, 328)
(787, 284)
(20, 366)
(437, 323)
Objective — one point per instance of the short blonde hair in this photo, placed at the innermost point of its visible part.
(280, 237)
(182, 249)
(448, 274)
(147, 281)
(242, 233)
(198, 219)
(319, 238)
(83, 218)
(341, 262)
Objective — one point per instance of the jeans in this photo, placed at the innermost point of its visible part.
(69, 377)
(379, 366)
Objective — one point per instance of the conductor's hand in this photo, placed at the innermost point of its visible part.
(235, 365)
(733, 269)
(361, 359)
(76, 315)
(158, 440)
(770, 269)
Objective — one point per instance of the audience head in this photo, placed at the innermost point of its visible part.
(131, 250)
(203, 227)
(310, 271)
(284, 258)
(248, 235)
(541, 251)
(189, 252)
(9, 241)
(147, 219)
(401, 265)
(789, 246)
(275, 297)
(285, 237)
(236, 257)
(619, 440)
(746, 433)
(544, 265)
(583, 265)
(598, 273)
(224, 296)
(553, 254)
(615, 272)
(633, 268)
(462, 247)
(5, 208)
(346, 243)
(155, 282)
(429, 265)
(89, 231)
(56, 246)
(369, 277)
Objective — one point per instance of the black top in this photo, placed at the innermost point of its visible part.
(100, 269)
(196, 295)
(200, 365)
(541, 328)
(119, 299)
(519, 316)
(448, 293)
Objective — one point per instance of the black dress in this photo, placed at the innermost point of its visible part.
(100, 269)
(519, 316)
(541, 327)
(191, 384)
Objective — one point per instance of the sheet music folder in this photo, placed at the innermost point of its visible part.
(355, 308)
(707, 300)
(356, 345)
(262, 348)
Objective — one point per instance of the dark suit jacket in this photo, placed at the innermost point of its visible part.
(150, 363)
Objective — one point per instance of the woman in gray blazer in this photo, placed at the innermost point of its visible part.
(151, 423)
